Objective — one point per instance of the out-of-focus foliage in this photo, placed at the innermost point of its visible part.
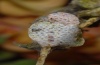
(5, 55)
(30, 7)
(2, 39)
(20, 62)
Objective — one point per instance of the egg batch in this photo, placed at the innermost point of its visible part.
(57, 29)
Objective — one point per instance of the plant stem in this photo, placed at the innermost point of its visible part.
(92, 12)
(89, 22)
(43, 54)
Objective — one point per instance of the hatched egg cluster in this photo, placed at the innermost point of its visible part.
(56, 29)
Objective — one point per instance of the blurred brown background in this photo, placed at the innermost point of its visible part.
(15, 18)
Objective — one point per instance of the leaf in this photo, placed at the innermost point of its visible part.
(2, 39)
(21, 62)
(5, 55)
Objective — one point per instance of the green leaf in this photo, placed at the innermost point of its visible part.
(6, 55)
(21, 62)
(2, 39)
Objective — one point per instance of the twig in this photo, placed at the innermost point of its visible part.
(92, 12)
(89, 22)
(43, 54)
